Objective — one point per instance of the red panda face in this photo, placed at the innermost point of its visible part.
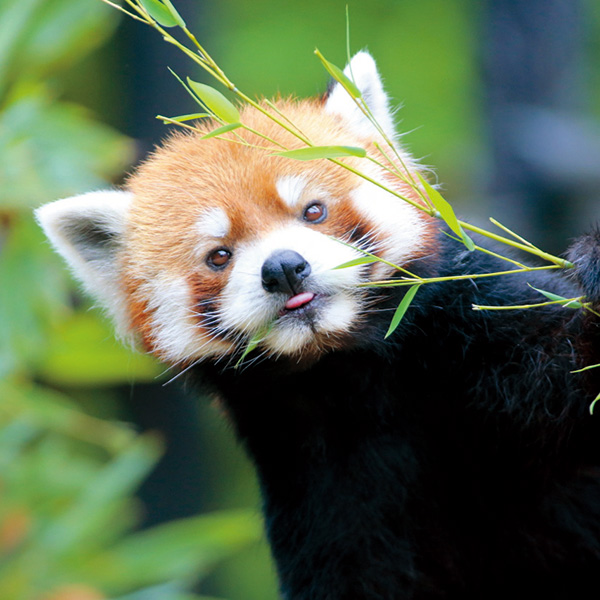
(219, 243)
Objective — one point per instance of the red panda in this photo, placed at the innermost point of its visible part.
(455, 458)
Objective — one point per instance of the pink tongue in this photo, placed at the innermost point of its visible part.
(299, 300)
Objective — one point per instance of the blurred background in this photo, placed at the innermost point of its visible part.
(113, 485)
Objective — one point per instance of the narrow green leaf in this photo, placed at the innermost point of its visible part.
(190, 117)
(254, 341)
(466, 240)
(362, 260)
(252, 344)
(315, 152)
(174, 13)
(573, 304)
(339, 76)
(441, 205)
(402, 308)
(568, 302)
(215, 101)
(159, 12)
(586, 368)
(593, 404)
(221, 130)
(446, 212)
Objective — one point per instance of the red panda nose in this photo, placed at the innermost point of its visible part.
(284, 272)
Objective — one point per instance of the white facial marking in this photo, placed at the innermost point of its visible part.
(288, 340)
(213, 223)
(246, 306)
(174, 325)
(290, 189)
(397, 221)
(341, 314)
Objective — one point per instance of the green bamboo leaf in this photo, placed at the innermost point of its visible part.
(252, 344)
(586, 368)
(254, 341)
(402, 308)
(446, 212)
(466, 240)
(159, 12)
(221, 130)
(362, 260)
(315, 152)
(174, 13)
(441, 205)
(568, 302)
(190, 117)
(215, 101)
(596, 399)
(340, 76)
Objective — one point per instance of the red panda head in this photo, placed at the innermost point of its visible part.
(215, 243)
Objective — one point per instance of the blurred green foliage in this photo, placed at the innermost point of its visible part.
(68, 512)
(48, 149)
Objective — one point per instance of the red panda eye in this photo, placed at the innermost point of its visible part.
(218, 258)
(315, 212)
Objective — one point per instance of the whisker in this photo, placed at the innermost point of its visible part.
(182, 372)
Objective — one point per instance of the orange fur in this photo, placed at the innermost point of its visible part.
(189, 173)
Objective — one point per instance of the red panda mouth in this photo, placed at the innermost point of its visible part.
(298, 304)
(299, 300)
(303, 306)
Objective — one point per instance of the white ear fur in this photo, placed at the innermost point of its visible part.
(363, 71)
(87, 231)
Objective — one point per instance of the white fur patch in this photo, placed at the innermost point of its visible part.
(401, 228)
(289, 339)
(174, 323)
(341, 314)
(213, 223)
(247, 307)
(290, 189)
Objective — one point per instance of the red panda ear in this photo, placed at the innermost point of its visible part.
(87, 231)
(362, 70)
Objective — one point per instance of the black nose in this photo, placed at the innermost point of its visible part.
(284, 271)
